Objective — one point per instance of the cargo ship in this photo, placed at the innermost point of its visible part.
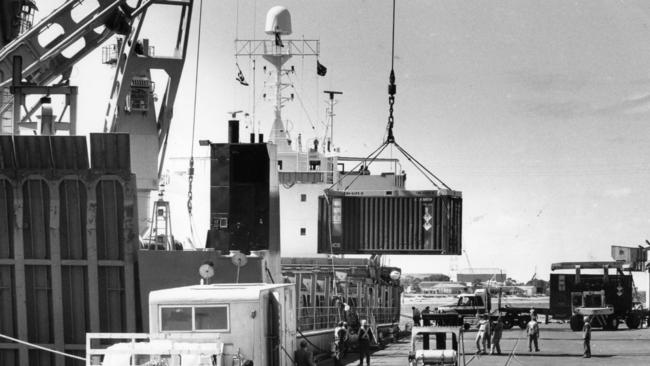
(72, 216)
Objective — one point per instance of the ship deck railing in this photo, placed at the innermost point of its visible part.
(311, 177)
(327, 317)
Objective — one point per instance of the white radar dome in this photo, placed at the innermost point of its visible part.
(278, 20)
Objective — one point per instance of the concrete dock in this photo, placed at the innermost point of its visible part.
(558, 346)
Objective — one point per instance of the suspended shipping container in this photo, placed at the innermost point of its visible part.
(68, 241)
(390, 222)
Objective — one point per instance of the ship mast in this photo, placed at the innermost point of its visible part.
(277, 52)
(330, 115)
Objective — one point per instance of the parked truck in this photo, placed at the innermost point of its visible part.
(607, 298)
(469, 306)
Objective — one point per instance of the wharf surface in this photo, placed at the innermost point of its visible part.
(558, 346)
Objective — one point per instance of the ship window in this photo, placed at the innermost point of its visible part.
(303, 231)
(279, 164)
(211, 318)
(303, 198)
(176, 319)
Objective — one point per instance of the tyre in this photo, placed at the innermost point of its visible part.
(508, 323)
(522, 322)
(611, 323)
(576, 323)
(633, 321)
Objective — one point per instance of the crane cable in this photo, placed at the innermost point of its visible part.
(392, 88)
(190, 173)
(390, 137)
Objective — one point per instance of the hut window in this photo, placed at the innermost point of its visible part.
(211, 318)
(194, 318)
(176, 319)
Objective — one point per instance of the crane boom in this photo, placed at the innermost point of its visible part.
(45, 62)
(131, 106)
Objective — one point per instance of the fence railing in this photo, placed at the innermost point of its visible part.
(290, 178)
(328, 317)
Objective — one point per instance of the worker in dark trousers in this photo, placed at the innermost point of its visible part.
(339, 344)
(303, 356)
(586, 337)
(426, 320)
(497, 332)
(416, 316)
(365, 337)
(532, 330)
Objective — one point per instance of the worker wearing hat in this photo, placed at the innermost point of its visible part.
(365, 337)
(586, 337)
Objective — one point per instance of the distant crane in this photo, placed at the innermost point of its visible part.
(534, 275)
(469, 265)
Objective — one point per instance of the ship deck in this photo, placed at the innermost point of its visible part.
(558, 345)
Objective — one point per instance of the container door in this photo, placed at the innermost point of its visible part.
(576, 301)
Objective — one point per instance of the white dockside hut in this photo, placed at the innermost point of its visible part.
(219, 324)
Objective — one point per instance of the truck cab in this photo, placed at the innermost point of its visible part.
(470, 304)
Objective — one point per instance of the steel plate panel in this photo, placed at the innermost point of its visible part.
(36, 219)
(72, 224)
(110, 220)
(39, 304)
(110, 151)
(6, 219)
(7, 302)
(7, 157)
(33, 152)
(75, 303)
(69, 152)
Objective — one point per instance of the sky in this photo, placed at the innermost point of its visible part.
(536, 110)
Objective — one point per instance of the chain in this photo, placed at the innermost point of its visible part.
(190, 180)
(392, 89)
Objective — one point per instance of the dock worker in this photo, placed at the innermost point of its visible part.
(532, 330)
(337, 352)
(482, 334)
(586, 337)
(365, 337)
(337, 329)
(341, 337)
(303, 356)
(497, 332)
(416, 316)
(426, 320)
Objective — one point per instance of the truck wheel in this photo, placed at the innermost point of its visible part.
(633, 321)
(611, 323)
(508, 323)
(522, 322)
(576, 323)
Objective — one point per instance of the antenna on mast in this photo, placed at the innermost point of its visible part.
(277, 52)
(330, 114)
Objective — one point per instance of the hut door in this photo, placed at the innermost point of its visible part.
(273, 331)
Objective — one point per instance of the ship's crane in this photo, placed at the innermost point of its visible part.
(131, 106)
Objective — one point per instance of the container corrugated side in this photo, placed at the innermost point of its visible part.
(423, 222)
